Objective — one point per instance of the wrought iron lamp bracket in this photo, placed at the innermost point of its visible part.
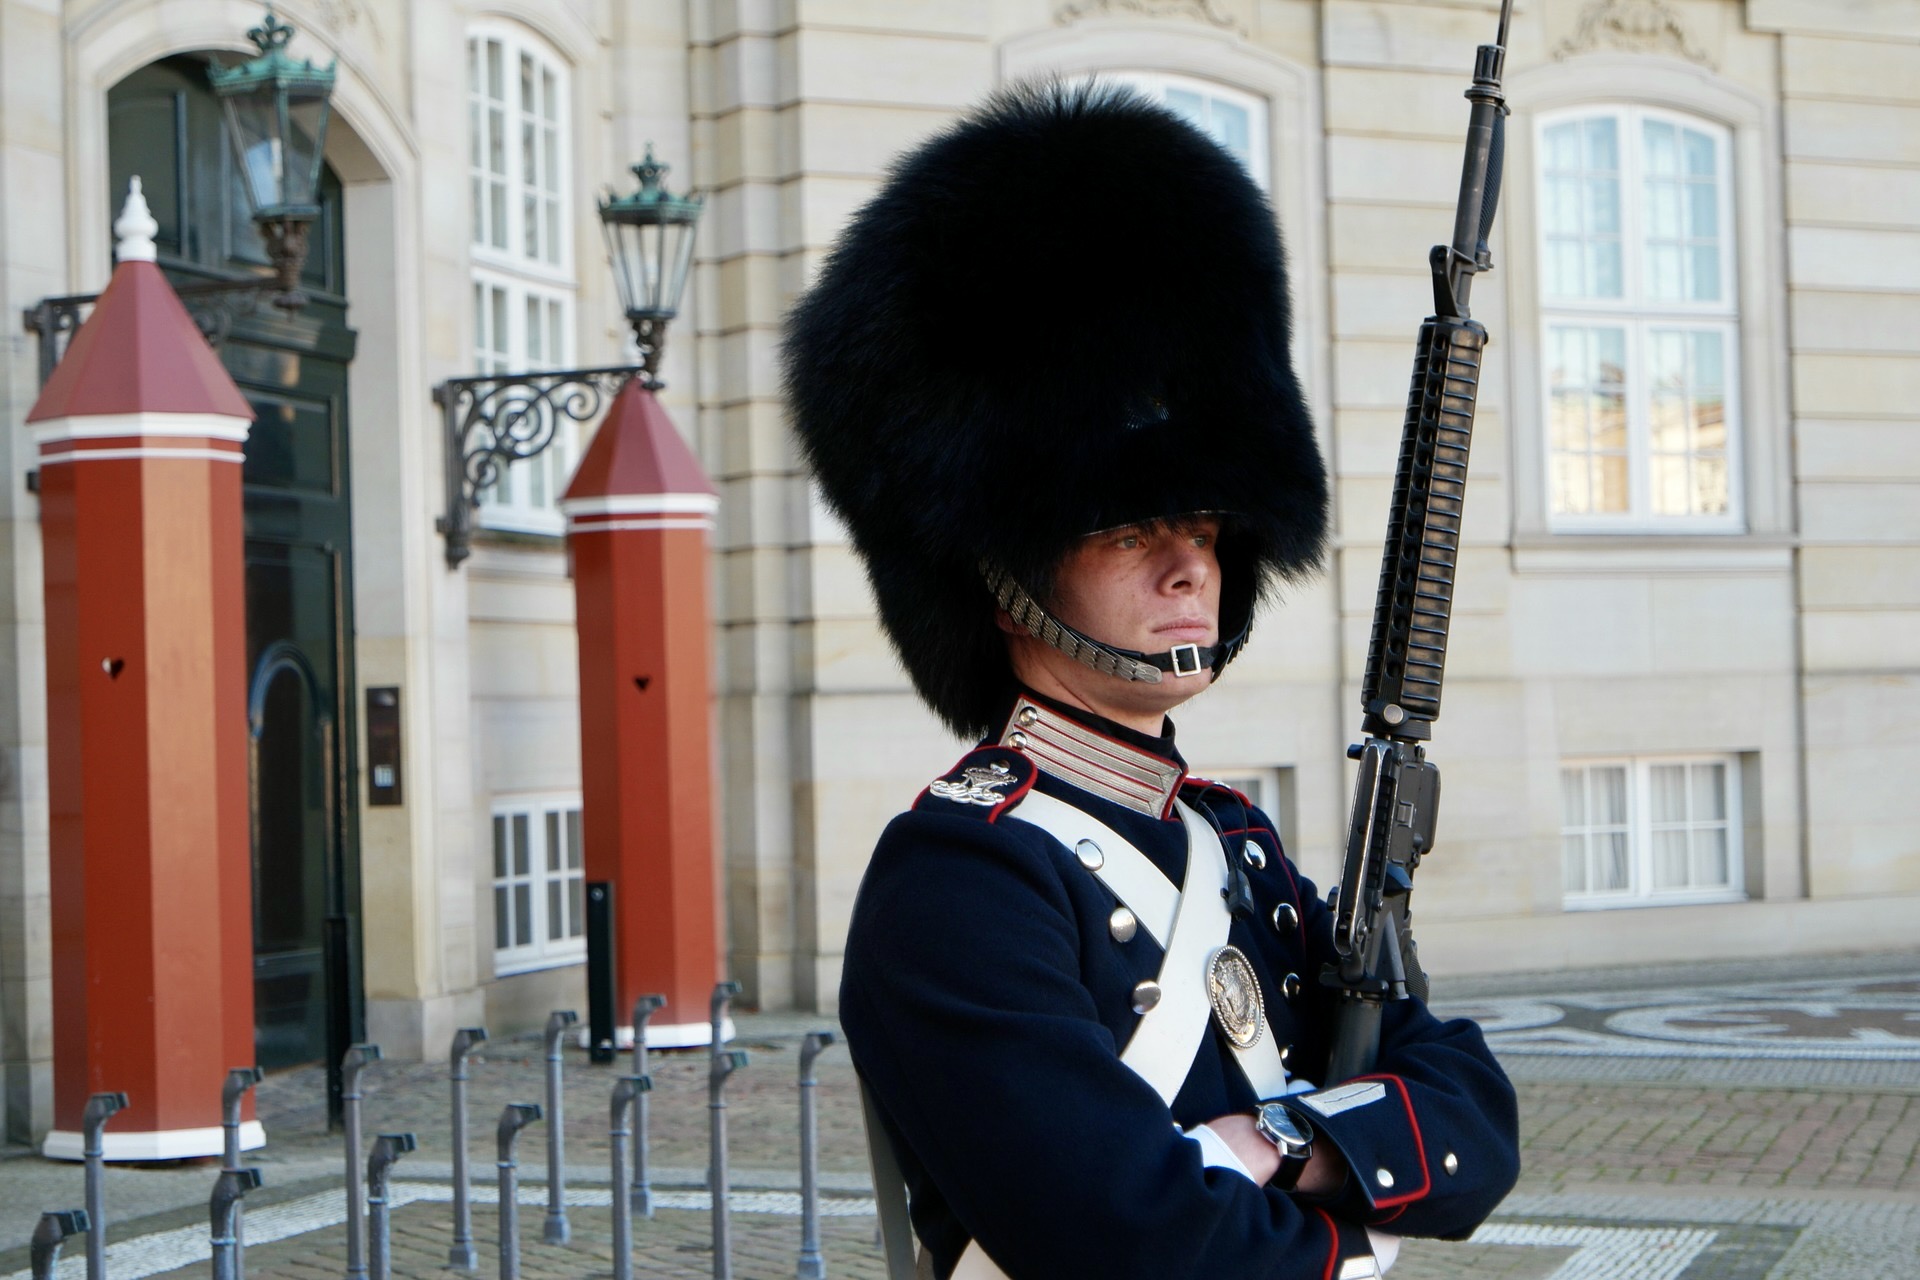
(214, 306)
(494, 420)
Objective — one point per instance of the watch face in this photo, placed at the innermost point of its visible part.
(1281, 1128)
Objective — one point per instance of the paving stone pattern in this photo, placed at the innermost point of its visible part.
(1710, 1164)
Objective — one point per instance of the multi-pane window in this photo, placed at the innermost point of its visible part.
(523, 282)
(539, 885)
(1234, 119)
(1641, 321)
(1637, 832)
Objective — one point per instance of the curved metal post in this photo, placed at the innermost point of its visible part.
(100, 1108)
(516, 1116)
(239, 1080)
(223, 1211)
(627, 1090)
(352, 1064)
(556, 1230)
(387, 1148)
(54, 1227)
(724, 1064)
(640, 1194)
(812, 1266)
(461, 1254)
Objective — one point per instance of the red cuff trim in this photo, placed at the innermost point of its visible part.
(1333, 1248)
(1419, 1147)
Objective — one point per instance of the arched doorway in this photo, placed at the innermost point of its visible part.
(165, 125)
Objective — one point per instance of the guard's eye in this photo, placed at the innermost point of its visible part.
(1202, 539)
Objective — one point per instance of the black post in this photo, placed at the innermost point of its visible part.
(812, 1266)
(239, 1080)
(625, 1090)
(355, 1061)
(600, 972)
(557, 1231)
(642, 1189)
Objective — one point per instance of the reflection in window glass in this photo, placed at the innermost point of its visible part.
(1639, 323)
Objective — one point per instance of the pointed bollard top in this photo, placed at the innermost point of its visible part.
(139, 352)
(638, 465)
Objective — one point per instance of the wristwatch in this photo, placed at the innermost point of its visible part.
(1292, 1135)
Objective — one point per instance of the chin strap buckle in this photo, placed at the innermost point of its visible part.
(1186, 659)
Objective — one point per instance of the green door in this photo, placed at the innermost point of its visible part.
(165, 126)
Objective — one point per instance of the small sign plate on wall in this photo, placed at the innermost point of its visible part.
(383, 745)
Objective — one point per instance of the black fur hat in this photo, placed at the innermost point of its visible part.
(1065, 313)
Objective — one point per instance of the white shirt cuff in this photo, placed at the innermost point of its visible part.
(1214, 1151)
(1385, 1247)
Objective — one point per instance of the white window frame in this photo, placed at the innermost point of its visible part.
(1638, 317)
(1640, 890)
(528, 493)
(542, 950)
(516, 42)
(1154, 85)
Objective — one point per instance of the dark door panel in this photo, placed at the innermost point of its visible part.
(164, 125)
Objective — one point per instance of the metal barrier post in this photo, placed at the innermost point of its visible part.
(812, 1265)
(100, 1108)
(387, 1148)
(724, 1064)
(626, 1091)
(239, 1080)
(556, 1230)
(516, 1116)
(641, 1192)
(223, 1209)
(461, 1254)
(54, 1227)
(356, 1060)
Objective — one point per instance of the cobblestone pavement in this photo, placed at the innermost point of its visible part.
(1758, 1122)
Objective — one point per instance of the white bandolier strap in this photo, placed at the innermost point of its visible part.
(1189, 925)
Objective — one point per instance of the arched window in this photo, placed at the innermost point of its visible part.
(1640, 321)
(520, 179)
(1235, 119)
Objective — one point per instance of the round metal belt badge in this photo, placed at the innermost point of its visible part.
(1235, 993)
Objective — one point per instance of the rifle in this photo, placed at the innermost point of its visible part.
(1396, 799)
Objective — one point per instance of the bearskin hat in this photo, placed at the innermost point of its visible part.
(1065, 313)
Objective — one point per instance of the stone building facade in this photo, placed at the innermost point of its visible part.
(1684, 685)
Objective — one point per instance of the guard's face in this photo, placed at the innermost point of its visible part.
(1142, 587)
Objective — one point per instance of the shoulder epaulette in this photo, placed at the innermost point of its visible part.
(985, 783)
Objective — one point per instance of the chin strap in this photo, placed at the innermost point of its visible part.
(1127, 664)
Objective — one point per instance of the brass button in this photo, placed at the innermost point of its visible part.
(1256, 856)
(1090, 856)
(1146, 995)
(1123, 924)
(1451, 1164)
(1290, 986)
(1285, 918)
(1026, 717)
(1017, 740)
(1384, 1177)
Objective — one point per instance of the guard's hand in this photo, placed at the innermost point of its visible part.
(1260, 1156)
(1326, 1171)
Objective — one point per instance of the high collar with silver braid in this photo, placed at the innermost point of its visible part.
(1126, 664)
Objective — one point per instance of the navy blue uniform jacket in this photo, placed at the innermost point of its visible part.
(986, 1003)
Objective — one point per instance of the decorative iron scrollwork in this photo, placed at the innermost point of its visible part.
(495, 420)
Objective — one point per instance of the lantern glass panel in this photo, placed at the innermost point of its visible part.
(305, 146)
(256, 147)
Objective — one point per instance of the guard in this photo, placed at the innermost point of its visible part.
(1045, 379)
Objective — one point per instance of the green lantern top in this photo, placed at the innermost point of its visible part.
(652, 204)
(273, 66)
